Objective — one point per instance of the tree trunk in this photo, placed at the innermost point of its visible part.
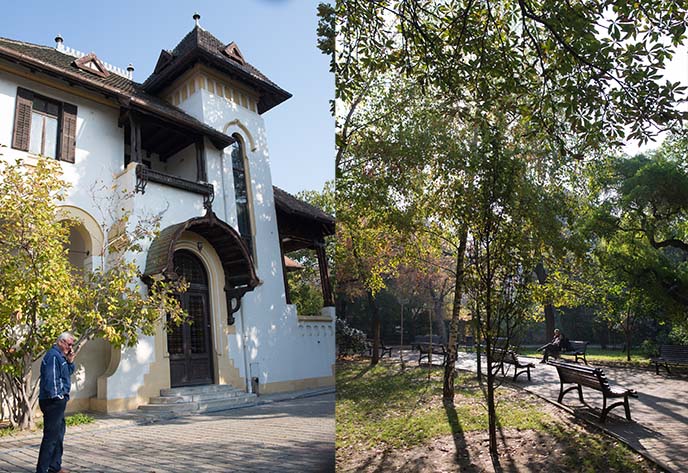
(627, 330)
(450, 365)
(21, 399)
(438, 312)
(541, 274)
(340, 304)
(375, 328)
(491, 411)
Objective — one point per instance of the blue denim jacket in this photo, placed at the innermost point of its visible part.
(55, 375)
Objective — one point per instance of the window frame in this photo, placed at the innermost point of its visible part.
(65, 139)
(44, 115)
(249, 239)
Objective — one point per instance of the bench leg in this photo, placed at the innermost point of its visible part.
(605, 409)
(563, 391)
(603, 416)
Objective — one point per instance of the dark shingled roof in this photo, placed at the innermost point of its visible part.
(200, 45)
(290, 205)
(53, 62)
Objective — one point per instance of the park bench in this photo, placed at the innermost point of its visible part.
(509, 357)
(429, 345)
(593, 378)
(383, 348)
(576, 348)
(670, 355)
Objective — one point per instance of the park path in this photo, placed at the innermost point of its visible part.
(293, 435)
(659, 429)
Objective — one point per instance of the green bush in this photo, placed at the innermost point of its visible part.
(348, 339)
(649, 348)
(679, 335)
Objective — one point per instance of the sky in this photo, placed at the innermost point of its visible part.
(276, 36)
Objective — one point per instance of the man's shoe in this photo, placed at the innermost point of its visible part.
(541, 361)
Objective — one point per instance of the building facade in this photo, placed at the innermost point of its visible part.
(188, 144)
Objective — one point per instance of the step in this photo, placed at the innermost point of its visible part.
(191, 390)
(226, 404)
(170, 399)
(183, 408)
(196, 399)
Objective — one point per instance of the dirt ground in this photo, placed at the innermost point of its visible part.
(519, 451)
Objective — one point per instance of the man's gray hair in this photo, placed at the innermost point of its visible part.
(65, 336)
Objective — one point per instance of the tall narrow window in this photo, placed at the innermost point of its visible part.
(241, 192)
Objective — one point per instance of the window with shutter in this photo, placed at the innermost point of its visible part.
(44, 126)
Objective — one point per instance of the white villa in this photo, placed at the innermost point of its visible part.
(190, 141)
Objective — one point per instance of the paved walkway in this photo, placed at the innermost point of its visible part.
(659, 428)
(286, 435)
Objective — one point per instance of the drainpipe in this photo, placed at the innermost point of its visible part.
(244, 346)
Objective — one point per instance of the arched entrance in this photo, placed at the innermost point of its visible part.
(190, 344)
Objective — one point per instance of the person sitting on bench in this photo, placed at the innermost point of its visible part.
(554, 347)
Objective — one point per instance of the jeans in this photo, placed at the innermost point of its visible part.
(50, 454)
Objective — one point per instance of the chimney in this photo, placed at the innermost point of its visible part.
(197, 17)
(130, 71)
(59, 42)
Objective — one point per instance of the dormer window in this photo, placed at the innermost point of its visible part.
(91, 63)
(232, 51)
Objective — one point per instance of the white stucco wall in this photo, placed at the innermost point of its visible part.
(280, 347)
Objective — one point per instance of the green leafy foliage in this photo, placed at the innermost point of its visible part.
(304, 283)
(42, 295)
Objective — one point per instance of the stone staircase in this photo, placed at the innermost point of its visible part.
(198, 399)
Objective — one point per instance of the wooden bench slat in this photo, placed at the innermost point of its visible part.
(593, 378)
(428, 346)
(670, 354)
(510, 357)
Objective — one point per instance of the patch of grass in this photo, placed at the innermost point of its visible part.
(73, 420)
(385, 406)
(79, 419)
(383, 409)
(600, 356)
(7, 431)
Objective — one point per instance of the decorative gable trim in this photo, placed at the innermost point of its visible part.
(91, 63)
(163, 61)
(232, 51)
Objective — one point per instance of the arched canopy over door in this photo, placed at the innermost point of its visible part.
(240, 274)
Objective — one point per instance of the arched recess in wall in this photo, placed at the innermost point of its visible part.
(235, 126)
(85, 237)
(85, 248)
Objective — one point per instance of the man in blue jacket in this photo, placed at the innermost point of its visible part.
(56, 369)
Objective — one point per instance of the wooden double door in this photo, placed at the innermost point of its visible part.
(190, 344)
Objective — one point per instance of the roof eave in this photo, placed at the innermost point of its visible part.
(271, 96)
(216, 137)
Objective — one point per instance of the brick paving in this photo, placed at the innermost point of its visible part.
(292, 435)
(659, 429)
